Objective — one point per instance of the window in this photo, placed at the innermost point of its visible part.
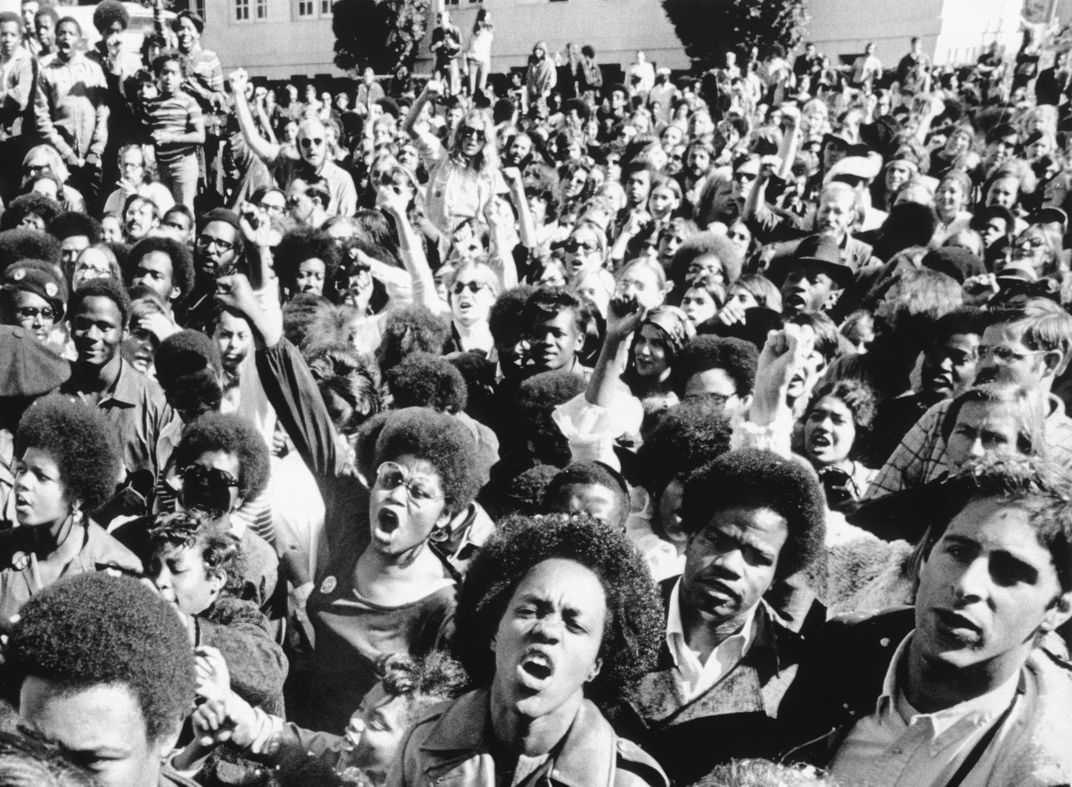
(262, 9)
(326, 6)
(450, 2)
(241, 10)
(306, 8)
(198, 7)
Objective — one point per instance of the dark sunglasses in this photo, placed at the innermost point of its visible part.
(310, 142)
(473, 287)
(32, 313)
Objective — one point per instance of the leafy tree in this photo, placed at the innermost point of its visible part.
(710, 28)
(381, 34)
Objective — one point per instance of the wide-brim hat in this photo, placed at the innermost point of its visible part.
(817, 252)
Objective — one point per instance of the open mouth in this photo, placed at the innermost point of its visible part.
(820, 441)
(716, 588)
(387, 521)
(535, 669)
(958, 627)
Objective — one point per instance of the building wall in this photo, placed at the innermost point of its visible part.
(282, 44)
(953, 31)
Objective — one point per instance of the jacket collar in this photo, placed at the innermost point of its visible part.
(583, 759)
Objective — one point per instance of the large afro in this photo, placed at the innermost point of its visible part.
(233, 434)
(82, 443)
(635, 624)
(439, 439)
(752, 478)
(95, 630)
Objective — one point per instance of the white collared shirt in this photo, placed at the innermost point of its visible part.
(693, 676)
(898, 745)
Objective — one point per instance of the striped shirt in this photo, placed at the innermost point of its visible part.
(176, 114)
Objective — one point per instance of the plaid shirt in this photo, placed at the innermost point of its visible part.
(921, 455)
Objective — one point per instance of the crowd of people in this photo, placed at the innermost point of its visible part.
(696, 429)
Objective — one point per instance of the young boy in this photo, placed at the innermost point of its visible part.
(74, 121)
(177, 128)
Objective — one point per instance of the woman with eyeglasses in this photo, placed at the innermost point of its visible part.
(68, 463)
(34, 296)
(384, 582)
(586, 249)
(463, 179)
(137, 176)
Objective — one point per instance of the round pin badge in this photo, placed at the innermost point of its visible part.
(328, 585)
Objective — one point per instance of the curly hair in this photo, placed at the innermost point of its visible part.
(101, 288)
(685, 439)
(345, 375)
(410, 329)
(107, 13)
(504, 317)
(439, 439)
(229, 433)
(426, 380)
(586, 474)
(80, 440)
(28, 759)
(30, 204)
(220, 550)
(752, 478)
(22, 242)
(862, 403)
(302, 244)
(71, 222)
(182, 260)
(736, 357)
(635, 624)
(536, 399)
(546, 303)
(706, 244)
(95, 629)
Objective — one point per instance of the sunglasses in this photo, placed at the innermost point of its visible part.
(311, 142)
(32, 313)
(473, 287)
(469, 131)
(587, 248)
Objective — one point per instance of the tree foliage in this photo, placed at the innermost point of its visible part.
(381, 34)
(710, 28)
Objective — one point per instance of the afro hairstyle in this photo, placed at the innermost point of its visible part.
(410, 329)
(101, 288)
(310, 319)
(706, 244)
(182, 260)
(439, 439)
(736, 357)
(684, 439)
(546, 303)
(232, 434)
(426, 380)
(587, 474)
(504, 317)
(751, 478)
(301, 244)
(188, 368)
(80, 440)
(95, 629)
(71, 223)
(22, 242)
(635, 624)
(537, 397)
(107, 13)
(30, 204)
(524, 494)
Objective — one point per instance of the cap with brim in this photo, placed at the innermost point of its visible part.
(816, 252)
(1050, 215)
(27, 367)
(953, 261)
